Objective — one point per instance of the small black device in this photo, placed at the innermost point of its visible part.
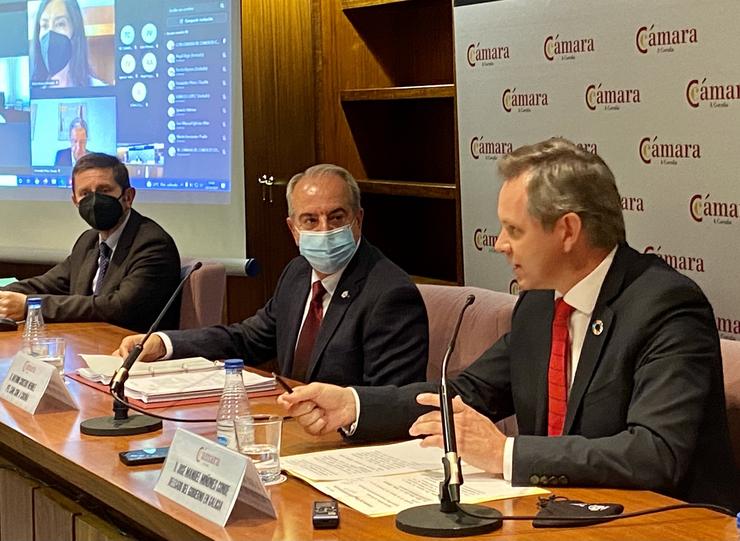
(325, 514)
(7, 324)
(138, 457)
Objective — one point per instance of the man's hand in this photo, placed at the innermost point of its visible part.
(479, 442)
(320, 408)
(12, 305)
(153, 348)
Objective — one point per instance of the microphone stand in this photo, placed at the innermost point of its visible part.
(121, 424)
(447, 519)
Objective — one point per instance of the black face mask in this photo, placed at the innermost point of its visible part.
(101, 211)
(56, 51)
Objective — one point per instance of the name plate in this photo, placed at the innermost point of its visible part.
(209, 479)
(33, 385)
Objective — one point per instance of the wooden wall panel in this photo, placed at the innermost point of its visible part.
(16, 505)
(54, 516)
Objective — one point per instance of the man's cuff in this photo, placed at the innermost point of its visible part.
(508, 458)
(167, 344)
(349, 431)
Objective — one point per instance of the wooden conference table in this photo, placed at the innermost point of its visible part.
(52, 444)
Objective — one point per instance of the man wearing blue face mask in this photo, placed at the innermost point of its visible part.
(122, 271)
(342, 312)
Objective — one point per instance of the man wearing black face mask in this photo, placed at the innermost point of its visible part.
(341, 313)
(121, 271)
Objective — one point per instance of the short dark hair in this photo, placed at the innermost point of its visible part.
(98, 160)
(78, 122)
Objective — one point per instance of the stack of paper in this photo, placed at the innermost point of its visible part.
(161, 381)
(386, 479)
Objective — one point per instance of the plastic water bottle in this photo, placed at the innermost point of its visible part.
(34, 328)
(234, 404)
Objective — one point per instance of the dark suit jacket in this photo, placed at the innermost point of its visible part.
(375, 331)
(63, 157)
(143, 273)
(646, 409)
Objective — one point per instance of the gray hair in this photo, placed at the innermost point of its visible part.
(323, 170)
(564, 178)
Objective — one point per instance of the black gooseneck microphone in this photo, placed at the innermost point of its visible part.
(448, 519)
(120, 424)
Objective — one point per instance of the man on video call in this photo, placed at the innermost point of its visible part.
(122, 271)
(77, 144)
(612, 365)
(341, 313)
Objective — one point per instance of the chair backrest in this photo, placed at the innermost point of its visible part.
(202, 298)
(731, 369)
(485, 321)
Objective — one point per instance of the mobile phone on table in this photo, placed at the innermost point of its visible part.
(139, 457)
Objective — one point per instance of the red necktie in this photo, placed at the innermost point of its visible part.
(309, 332)
(557, 372)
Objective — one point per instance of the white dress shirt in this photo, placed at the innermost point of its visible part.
(582, 297)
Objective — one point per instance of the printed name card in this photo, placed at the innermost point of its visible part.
(209, 478)
(35, 385)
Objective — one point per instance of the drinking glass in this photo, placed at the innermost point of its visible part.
(258, 437)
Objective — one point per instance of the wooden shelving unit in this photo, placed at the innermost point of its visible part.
(387, 112)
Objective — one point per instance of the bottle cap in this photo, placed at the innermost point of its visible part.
(233, 363)
(33, 301)
(737, 520)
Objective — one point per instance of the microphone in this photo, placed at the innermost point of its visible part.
(449, 489)
(120, 424)
(449, 518)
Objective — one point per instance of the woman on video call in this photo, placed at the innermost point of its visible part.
(60, 46)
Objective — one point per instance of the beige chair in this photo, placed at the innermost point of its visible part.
(731, 369)
(485, 321)
(202, 299)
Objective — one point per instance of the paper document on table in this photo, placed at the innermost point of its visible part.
(390, 494)
(161, 381)
(7, 281)
(382, 480)
(360, 462)
(102, 367)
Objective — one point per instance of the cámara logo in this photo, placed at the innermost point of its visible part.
(667, 153)
(490, 150)
(566, 49)
(721, 212)
(648, 38)
(205, 456)
(487, 56)
(678, 262)
(514, 287)
(483, 240)
(633, 204)
(610, 99)
(523, 101)
(716, 95)
(728, 325)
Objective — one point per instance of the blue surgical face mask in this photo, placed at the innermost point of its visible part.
(328, 251)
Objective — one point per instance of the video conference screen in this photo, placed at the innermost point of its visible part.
(149, 81)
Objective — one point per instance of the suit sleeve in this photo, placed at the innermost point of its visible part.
(396, 338)
(152, 272)
(54, 281)
(672, 378)
(253, 339)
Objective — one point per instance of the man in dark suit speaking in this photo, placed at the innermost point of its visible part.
(121, 271)
(612, 365)
(341, 313)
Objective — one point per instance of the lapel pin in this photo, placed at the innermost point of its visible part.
(597, 327)
(345, 294)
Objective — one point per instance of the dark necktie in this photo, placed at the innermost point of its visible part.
(309, 332)
(557, 372)
(105, 252)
